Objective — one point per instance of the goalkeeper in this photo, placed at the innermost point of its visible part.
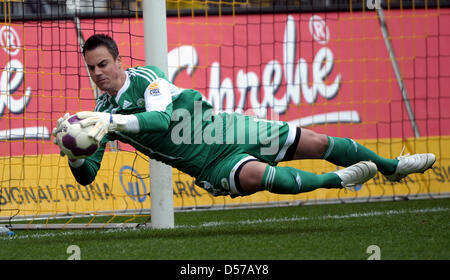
(227, 153)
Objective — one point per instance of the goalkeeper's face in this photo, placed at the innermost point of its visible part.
(105, 71)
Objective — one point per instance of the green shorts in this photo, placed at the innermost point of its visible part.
(252, 139)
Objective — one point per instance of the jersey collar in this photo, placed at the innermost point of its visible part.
(123, 88)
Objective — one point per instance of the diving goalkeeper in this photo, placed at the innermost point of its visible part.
(227, 153)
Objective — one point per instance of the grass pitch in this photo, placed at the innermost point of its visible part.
(415, 229)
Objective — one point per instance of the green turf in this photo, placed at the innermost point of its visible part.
(415, 229)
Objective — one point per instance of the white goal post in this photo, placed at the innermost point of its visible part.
(155, 38)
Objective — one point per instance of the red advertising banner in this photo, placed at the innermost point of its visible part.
(328, 71)
(42, 74)
(331, 71)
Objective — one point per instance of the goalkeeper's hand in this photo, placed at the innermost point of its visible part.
(55, 132)
(103, 123)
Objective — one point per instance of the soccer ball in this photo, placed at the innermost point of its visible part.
(74, 140)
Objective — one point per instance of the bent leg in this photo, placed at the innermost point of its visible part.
(339, 151)
(257, 176)
(345, 151)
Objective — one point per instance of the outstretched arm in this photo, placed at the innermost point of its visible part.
(157, 115)
(85, 170)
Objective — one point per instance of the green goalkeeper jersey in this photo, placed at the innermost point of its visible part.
(178, 127)
(152, 99)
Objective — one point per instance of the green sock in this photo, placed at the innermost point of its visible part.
(345, 152)
(288, 180)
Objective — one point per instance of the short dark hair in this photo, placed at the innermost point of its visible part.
(98, 40)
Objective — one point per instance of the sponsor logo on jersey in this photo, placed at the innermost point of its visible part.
(225, 184)
(153, 89)
(141, 102)
(126, 104)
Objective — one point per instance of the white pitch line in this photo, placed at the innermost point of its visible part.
(243, 222)
(325, 217)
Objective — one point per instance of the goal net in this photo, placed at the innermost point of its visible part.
(374, 71)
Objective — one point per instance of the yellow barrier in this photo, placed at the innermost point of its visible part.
(43, 184)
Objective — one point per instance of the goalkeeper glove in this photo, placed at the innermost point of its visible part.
(55, 132)
(58, 124)
(105, 122)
